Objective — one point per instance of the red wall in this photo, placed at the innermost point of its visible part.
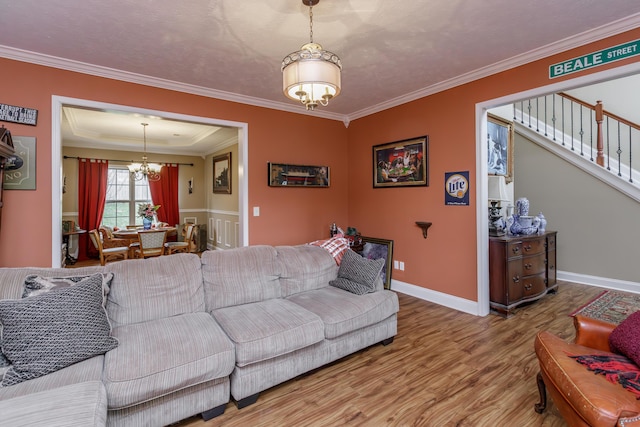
(445, 261)
(287, 216)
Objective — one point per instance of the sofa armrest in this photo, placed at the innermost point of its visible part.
(592, 333)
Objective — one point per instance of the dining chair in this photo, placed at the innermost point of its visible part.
(107, 254)
(184, 246)
(151, 243)
(108, 239)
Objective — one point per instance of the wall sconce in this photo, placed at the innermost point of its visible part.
(190, 185)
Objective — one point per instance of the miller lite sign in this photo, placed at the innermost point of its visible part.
(456, 188)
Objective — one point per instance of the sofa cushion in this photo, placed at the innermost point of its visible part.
(268, 329)
(165, 355)
(305, 267)
(240, 276)
(87, 370)
(625, 338)
(155, 288)
(343, 312)
(44, 333)
(82, 404)
(357, 274)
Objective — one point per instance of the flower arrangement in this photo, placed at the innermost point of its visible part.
(147, 210)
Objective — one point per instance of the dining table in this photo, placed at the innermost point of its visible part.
(132, 233)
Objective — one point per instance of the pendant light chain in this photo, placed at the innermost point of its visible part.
(310, 24)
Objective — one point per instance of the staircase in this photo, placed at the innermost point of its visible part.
(588, 136)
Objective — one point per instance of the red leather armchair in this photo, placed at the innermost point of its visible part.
(582, 397)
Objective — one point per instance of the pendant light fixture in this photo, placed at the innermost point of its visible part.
(312, 74)
(145, 170)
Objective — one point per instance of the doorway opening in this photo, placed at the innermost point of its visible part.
(482, 204)
(58, 103)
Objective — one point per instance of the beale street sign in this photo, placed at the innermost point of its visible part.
(595, 59)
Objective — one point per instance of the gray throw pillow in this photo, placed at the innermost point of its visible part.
(358, 274)
(45, 333)
(3, 360)
(37, 285)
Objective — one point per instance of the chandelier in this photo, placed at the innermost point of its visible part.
(144, 170)
(311, 75)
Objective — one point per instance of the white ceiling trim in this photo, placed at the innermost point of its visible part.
(616, 27)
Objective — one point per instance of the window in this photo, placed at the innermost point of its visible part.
(123, 197)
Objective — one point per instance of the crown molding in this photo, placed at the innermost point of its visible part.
(617, 27)
(611, 29)
(126, 76)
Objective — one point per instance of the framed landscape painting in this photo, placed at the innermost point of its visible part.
(402, 163)
(222, 174)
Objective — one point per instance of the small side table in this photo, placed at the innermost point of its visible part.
(65, 239)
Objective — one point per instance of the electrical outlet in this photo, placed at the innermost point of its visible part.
(256, 211)
(401, 265)
(395, 264)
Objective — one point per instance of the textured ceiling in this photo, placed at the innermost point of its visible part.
(389, 49)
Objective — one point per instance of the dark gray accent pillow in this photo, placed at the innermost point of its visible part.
(37, 285)
(358, 274)
(48, 332)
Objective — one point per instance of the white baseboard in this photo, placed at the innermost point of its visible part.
(471, 307)
(436, 297)
(601, 282)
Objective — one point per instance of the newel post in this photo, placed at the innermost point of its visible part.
(600, 141)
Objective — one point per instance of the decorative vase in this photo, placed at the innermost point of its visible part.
(146, 223)
(515, 228)
(543, 223)
(522, 206)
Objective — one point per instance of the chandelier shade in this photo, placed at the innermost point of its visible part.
(145, 170)
(311, 75)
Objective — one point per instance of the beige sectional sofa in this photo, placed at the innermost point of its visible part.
(195, 332)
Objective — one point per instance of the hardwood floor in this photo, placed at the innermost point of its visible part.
(445, 368)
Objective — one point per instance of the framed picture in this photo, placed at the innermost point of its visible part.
(284, 175)
(20, 168)
(500, 146)
(222, 174)
(375, 248)
(402, 163)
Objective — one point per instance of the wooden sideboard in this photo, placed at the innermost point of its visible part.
(522, 269)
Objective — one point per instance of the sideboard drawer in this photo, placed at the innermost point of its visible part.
(533, 265)
(533, 285)
(533, 247)
(514, 249)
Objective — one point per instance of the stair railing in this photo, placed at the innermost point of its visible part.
(578, 125)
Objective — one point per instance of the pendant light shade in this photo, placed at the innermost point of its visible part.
(311, 75)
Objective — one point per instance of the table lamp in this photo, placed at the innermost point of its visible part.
(497, 192)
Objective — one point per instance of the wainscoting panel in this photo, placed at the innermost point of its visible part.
(225, 229)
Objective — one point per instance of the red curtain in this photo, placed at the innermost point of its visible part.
(165, 193)
(92, 194)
